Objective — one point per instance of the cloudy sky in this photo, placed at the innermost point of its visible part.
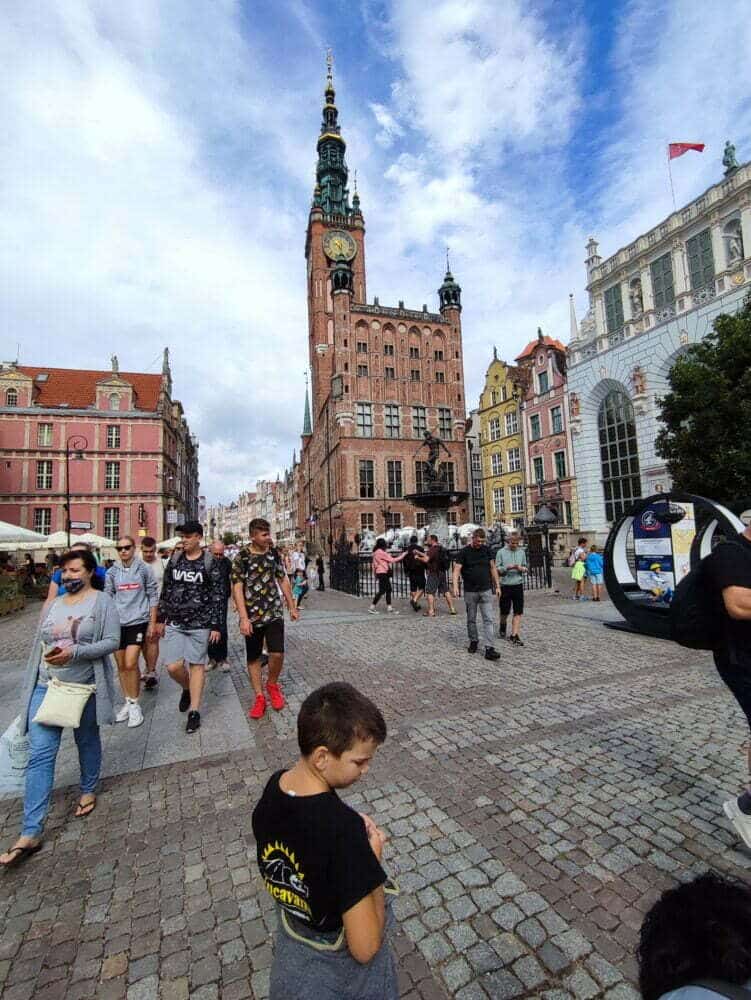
(158, 163)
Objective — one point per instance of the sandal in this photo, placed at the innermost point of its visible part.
(428, 614)
(20, 854)
(84, 809)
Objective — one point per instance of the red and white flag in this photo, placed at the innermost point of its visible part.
(679, 148)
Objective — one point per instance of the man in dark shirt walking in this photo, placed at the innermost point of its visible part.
(728, 573)
(480, 578)
(218, 650)
(192, 607)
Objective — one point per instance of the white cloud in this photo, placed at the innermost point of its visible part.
(389, 127)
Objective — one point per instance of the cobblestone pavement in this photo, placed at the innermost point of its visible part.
(536, 807)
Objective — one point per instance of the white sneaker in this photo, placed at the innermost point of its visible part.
(373, 609)
(391, 610)
(135, 715)
(124, 714)
(740, 820)
(225, 667)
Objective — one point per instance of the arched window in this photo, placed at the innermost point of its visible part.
(619, 455)
(11, 397)
(114, 401)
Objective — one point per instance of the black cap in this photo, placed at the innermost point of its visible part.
(190, 528)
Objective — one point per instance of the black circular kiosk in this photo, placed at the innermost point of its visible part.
(652, 547)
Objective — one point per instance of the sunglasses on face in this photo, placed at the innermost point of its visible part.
(123, 548)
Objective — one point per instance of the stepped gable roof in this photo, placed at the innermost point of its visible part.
(78, 388)
(548, 341)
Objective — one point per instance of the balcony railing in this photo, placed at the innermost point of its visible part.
(704, 294)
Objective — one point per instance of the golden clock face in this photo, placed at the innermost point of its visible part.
(339, 245)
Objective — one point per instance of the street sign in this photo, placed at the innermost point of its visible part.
(171, 517)
(83, 525)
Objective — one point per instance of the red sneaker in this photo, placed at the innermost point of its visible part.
(276, 697)
(259, 707)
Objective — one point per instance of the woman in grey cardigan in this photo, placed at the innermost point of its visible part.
(76, 635)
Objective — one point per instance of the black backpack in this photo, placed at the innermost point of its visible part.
(693, 612)
(444, 560)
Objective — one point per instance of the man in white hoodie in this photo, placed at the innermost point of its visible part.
(132, 585)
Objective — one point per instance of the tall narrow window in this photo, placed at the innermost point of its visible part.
(556, 420)
(560, 464)
(367, 486)
(438, 355)
(44, 436)
(542, 379)
(517, 498)
(367, 522)
(495, 428)
(414, 375)
(440, 377)
(11, 397)
(112, 475)
(444, 423)
(496, 464)
(534, 427)
(113, 435)
(392, 520)
(419, 421)
(539, 469)
(43, 520)
(619, 454)
(422, 469)
(421, 519)
(365, 420)
(512, 422)
(391, 413)
(362, 371)
(499, 501)
(446, 471)
(613, 309)
(114, 404)
(514, 459)
(414, 352)
(362, 347)
(700, 259)
(394, 478)
(112, 522)
(389, 373)
(44, 474)
(388, 350)
(662, 281)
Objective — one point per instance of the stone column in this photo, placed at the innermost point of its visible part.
(646, 288)
(718, 247)
(746, 230)
(680, 268)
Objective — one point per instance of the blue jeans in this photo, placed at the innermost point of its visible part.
(44, 742)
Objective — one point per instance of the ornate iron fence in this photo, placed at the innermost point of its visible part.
(353, 574)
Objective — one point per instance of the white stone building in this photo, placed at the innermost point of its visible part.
(647, 303)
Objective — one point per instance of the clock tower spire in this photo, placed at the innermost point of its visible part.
(331, 191)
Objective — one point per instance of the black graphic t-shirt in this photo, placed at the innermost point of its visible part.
(192, 594)
(475, 564)
(258, 572)
(314, 854)
(729, 565)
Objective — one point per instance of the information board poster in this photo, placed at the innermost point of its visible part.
(653, 546)
(682, 534)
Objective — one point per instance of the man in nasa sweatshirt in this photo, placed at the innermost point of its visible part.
(191, 614)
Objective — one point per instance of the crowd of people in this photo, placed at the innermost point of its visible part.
(320, 860)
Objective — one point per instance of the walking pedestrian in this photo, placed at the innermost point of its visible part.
(511, 561)
(578, 574)
(297, 557)
(77, 633)
(133, 588)
(480, 580)
(728, 574)
(57, 587)
(321, 569)
(151, 645)
(321, 861)
(190, 613)
(259, 581)
(383, 562)
(416, 572)
(594, 566)
(436, 561)
(299, 587)
(218, 650)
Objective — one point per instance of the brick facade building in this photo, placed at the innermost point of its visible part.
(380, 376)
(132, 460)
(547, 437)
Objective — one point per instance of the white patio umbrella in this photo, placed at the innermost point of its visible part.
(17, 537)
(59, 540)
(98, 541)
(169, 543)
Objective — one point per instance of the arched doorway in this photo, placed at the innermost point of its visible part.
(619, 454)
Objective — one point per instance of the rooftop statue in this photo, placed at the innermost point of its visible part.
(728, 160)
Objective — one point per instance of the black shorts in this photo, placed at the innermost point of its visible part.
(512, 594)
(738, 678)
(417, 581)
(133, 635)
(271, 632)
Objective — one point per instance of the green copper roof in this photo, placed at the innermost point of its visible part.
(331, 192)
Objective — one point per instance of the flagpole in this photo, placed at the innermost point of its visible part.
(670, 175)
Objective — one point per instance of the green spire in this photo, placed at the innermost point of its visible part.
(307, 427)
(331, 173)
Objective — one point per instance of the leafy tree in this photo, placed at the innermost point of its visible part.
(706, 437)
(229, 538)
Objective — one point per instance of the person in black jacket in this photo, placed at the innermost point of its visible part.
(218, 650)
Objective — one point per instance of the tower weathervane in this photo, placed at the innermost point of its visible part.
(329, 66)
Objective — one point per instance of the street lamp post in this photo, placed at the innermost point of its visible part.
(75, 445)
(544, 518)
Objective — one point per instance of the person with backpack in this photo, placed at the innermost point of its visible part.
(727, 574)
(259, 581)
(415, 570)
(191, 611)
(437, 562)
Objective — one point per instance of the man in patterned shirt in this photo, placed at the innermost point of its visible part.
(258, 583)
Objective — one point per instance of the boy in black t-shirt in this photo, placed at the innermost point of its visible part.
(321, 861)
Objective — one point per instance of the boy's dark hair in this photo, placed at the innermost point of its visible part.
(380, 543)
(86, 557)
(148, 542)
(582, 541)
(336, 715)
(478, 533)
(413, 540)
(700, 930)
(435, 537)
(258, 524)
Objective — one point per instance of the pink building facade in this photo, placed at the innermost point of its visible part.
(132, 465)
(547, 439)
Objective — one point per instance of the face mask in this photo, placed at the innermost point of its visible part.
(73, 586)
